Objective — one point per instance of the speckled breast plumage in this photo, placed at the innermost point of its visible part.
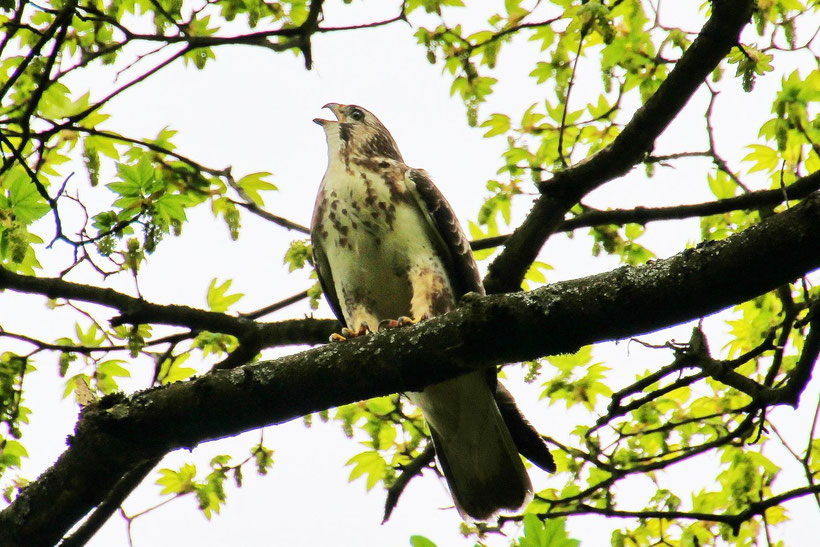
(377, 243)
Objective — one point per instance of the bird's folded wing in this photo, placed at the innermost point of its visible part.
(466, 277)
(526, 437)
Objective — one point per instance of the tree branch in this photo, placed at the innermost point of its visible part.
(281, 221)
(409, 471)
(641, 215)
(718, 36)
(62, 18)
(110, 504)
(118, 433)
(137, 311)
(133, 310)
(276, 306)
(735, 521)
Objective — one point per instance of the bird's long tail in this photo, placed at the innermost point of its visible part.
(474, 447)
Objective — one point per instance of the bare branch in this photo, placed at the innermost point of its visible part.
(409, 471)
(285, 302)
(281, 221)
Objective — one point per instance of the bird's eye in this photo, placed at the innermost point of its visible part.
(357, 115)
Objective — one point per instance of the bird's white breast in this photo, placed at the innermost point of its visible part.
(379, 241)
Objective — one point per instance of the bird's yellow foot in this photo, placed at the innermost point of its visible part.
(402, 321)
(347, 333)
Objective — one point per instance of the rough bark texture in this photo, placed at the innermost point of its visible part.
(119, 433)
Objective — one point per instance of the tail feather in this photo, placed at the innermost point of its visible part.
(476, 452)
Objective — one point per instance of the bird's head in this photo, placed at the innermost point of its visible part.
(351, 113)
(357, 130)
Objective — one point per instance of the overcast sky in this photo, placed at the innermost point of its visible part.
(252, 109)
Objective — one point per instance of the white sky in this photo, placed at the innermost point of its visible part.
(252, 109)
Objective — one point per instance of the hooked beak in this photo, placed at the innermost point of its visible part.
(336, 109)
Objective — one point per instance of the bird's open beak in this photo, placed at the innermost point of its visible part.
(336, 108)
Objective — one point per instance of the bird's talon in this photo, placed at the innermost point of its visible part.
(336, 337)
(402, 321)
(385, 324)
(422, 317)
(347, 333)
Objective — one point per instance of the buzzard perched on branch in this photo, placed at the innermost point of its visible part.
(389, 251)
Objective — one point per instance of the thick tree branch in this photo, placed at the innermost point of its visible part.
(566, 187)
(110, 504)
(119, 433)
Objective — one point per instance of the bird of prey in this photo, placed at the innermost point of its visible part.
(388, 249)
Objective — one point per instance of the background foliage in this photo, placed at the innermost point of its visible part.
(71, 180)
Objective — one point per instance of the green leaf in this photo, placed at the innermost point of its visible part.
(369, 463)
(567, 363)
(498, 124)
(171, 207)
(71, 383)
(138, 180)
(381, 406)
(199, 57)
(55, 102)
(26, 202)
(89, 338)
(12, 453)
(298, 254)
(750, 63)
(633, 231)
(172, 370)
(598, 110)
(764, 158)
(264, 459)
(551, 533)
(252, 184)
(177, 482)
(421, 541)
(113, 368)
(721, 185)
(535, 274)
(215, 343)
(218, 298)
